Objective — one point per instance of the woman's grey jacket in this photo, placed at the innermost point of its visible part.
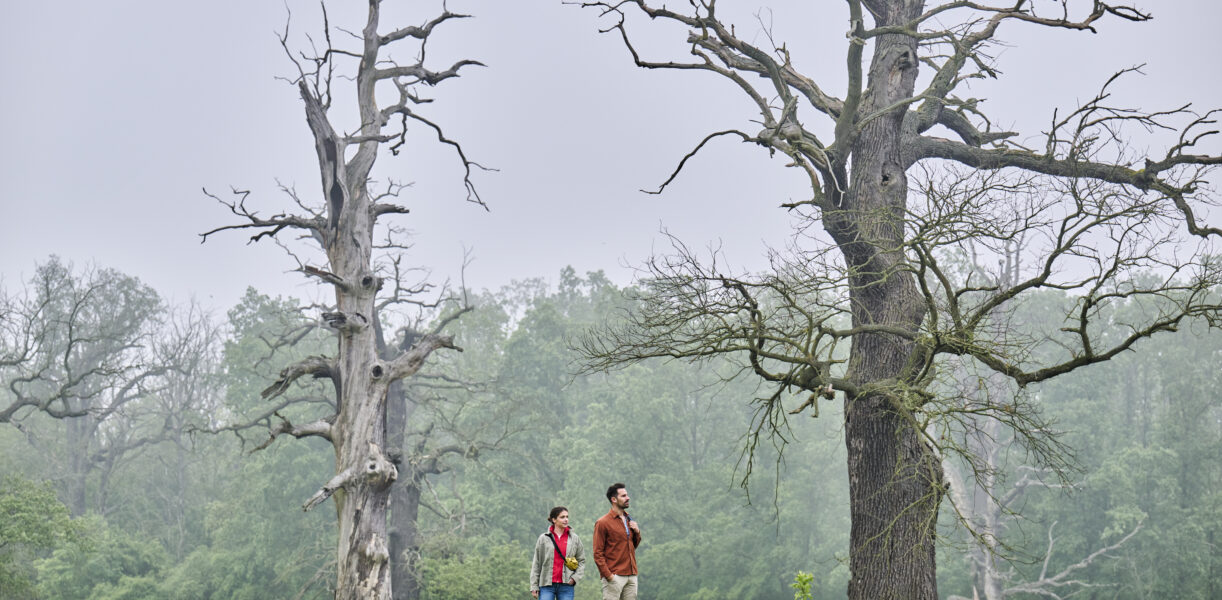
(545, 553)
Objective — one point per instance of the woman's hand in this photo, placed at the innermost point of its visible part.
(535, 593)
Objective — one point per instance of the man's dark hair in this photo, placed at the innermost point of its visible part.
(613, 491)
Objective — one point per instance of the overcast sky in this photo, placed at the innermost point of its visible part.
(116, 114)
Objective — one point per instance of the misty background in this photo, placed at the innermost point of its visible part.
(118, 115)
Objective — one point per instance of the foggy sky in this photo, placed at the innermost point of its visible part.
(116, 114)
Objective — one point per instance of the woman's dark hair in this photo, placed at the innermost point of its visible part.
(613, 491)
(556, 513)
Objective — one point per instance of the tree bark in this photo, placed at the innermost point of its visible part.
(358, 434)
(894, 476)
(405, 539)
(362, 378)
(404, 502)
(76, 445)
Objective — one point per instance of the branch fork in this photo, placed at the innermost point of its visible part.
(374, 470)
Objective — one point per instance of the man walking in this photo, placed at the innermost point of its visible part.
(616, 537)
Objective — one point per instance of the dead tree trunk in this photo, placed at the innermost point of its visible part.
(420, 459)
(344, 226)
(405, 503)
(405, 537)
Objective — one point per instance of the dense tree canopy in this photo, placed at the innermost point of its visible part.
(1148, 429)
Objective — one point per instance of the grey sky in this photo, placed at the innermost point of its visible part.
(116, 114)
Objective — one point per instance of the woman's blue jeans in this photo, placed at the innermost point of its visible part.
(556, 592)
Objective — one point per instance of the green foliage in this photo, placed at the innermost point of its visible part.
(673, 433)
(489, 572)
(1151, 446)
(258, 534)
(262, 328)
(1146, 429)
(115, 565)
(205, 520)
(32, 522)
(801, 585)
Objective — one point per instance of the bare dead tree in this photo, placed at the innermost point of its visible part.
(342, 222)
(436, 419)
(1058, 586)
(986, 498)
(427, 425)
(428, 429)
(865, 302)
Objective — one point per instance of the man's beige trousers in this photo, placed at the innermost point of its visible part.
(619, 587)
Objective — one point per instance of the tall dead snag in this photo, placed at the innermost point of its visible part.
(873, 264)
(343, 223)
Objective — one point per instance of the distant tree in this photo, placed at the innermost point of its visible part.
(188, 397)
(444, 414)
(34, 521)
(866, 303)
(343, 223)
(986, 493)
(1146, 429)
(114, 563)
(82, 347)
(448, 414)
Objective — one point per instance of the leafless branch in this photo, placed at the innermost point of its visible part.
(314, 366)
(1063, 584)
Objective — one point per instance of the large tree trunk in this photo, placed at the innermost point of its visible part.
(404, 501)
(359, 432)
(344, 227)
(405, 539)
(894, 477)
(364, 474)
(892, 503)
(359, 436)
(76, 445)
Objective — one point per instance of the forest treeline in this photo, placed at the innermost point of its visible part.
(137, 464)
